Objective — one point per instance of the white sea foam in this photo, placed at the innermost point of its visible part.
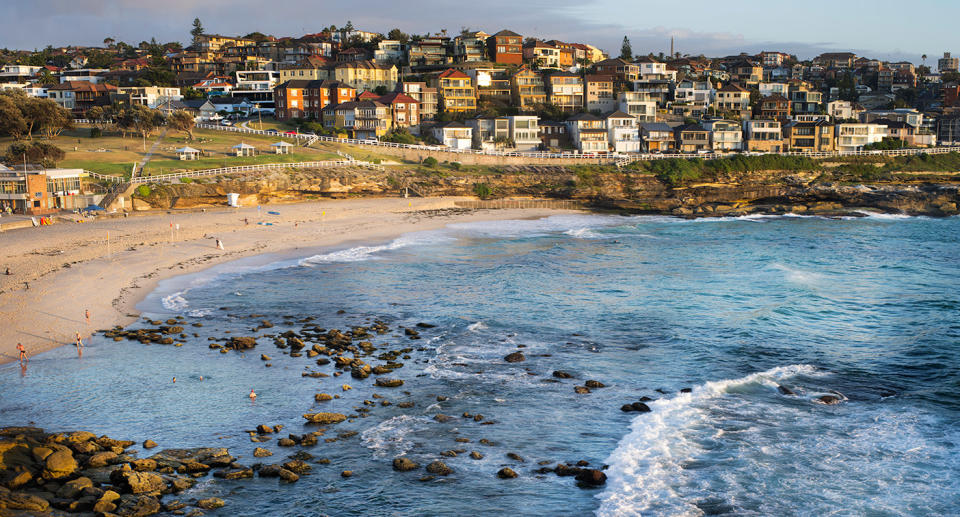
(200, 313)
(648, 460)
(798, 276)
(888, 217)
(360, 253)
(175, 302)
(392, 437)
(473, 327)
(583, 233)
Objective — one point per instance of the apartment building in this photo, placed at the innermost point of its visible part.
(506, 47)
(565, 91)
(425, 96)
(852, 137)
(638, 105)
(725, 135)
(588, 133)
(527, 89)
(809, 136)
(622, 132)
(763, 136)
(598, 94)
(456, 92)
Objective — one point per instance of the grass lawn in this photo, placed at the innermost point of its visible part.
(270, 123)
(109, 154)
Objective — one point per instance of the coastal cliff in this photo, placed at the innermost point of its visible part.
(600, 187)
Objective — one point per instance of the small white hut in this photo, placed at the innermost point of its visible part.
(281, 147)
(188, 153)
(243, 149)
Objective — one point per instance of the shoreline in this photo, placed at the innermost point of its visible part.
(60, 271)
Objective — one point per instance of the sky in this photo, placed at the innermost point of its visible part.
(884, 29)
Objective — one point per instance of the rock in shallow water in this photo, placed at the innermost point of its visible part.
(506, 473)
(515, 357)
(403, 464)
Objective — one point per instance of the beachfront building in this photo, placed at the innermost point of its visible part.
(852, 137)
(763, 136)
(455, 135)
(622, 132)
(656, 137)
(809, 136)
(725, 135)
(42, 192)
(588, 132)
(188, 153)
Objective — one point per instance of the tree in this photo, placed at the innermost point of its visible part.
(196, 31)
(626, 51)
(181, 121)
(924, 59)
(108, 41)
(140, 119)
(12, 122)
(41, 153)
(348, 27)
(398, 35)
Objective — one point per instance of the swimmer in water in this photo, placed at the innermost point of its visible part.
(174, 380)
(253, 394)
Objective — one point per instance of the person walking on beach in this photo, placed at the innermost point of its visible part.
(23, 353)
(219, 245)
(86, 313)
(79, 341)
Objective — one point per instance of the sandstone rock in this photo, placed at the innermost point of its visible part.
(506, 473)
(264, 429)
(560, 374)
(140, 506)
(59, 464)
(72, 489)
(828, 400)
(241, 473)
(260, 452)
(581, 390)
(516, 457)
(595, 384)
(149, 444)
(402, 464)
(389, 383)
(288, 475)
(242, 343)
(322, 397)
(439, 468)
(144, 465)
(102, 459)
(298, 466)
(286, 442)
(515, 357)
(440, 417)
(211, 503)
(22, 501)
(325, 418)
(476, 455)
(346, 473)
(138, 482)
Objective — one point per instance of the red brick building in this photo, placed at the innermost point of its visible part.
(506, 47)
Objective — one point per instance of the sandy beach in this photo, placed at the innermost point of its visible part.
(108, 265)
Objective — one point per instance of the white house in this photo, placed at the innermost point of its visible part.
(525, 132)
(390, 51)
(623, 133)
(768, 89)
(843, 110)
(697, 93)
(852, 137)
(588, 132)
(725, 135)
(638, 105)
(91, 75)
(455, 135)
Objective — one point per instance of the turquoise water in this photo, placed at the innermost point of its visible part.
(865, 309)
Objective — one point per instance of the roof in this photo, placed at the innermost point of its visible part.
(583, 116)
(397, 97)
(599, 78)
(613, 62)
(450, 72)
(83, 86)
(618, 114)
(690, 127)
(453, 124)
(243, 145)
(367, 64)
(505, 33)
(776, 97)
(187, 149)
(655, 126)
(368, 95)
(281, 144)
(733, 88)
(646, 59)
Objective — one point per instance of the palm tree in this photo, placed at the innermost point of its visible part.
(108, 41)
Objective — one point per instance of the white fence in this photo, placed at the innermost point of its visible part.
(252, 168)
(615, 157)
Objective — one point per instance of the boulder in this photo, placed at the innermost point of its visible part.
(288, 475)
(22, 501)
(560, 374)
(325, 418)
(506, 473)
(322, 397)
(144, 465)
(595, 384)
(785, 390)
(242, 343)
(269, 471)
(828, 400)
(211, 503)
(102, 459)
(138, 482)
(149, 444)
(639, 407)
(264, 429)
(241, 473)
(402, 464)
(59, 464)
(591, 477)
(582, 390)
(260, 452)
(298, 466)
(515, 357)
(439, 468)
(389, 383)
(72, 489)
(476, 455)
(286, 442)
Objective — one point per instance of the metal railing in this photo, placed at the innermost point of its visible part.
(578, 156)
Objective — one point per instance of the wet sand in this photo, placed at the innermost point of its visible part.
(58, 272)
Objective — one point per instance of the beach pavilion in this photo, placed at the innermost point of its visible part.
(243, 149)
(188, 153)
(281, 147)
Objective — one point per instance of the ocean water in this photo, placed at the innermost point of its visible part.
(866, 309)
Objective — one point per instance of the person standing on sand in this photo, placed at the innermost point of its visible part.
(79, 341)
(23, 353)
(219, 245)
(86, 313)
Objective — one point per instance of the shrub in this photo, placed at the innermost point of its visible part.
(430, 161)
(96, 132)
(455, 165)
(41, 153)
(482, 190)
(143, 191)
(186, 180)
